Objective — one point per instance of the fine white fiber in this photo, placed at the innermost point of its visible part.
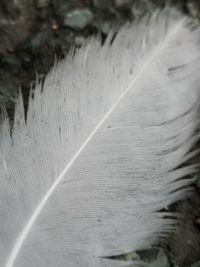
(103, 149)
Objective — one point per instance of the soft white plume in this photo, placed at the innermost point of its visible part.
(102, 149)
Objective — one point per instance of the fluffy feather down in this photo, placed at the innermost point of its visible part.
(84, 177)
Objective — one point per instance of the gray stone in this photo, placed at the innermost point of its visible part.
(78, 18)
(79, 40)
(140, 8)
(161, 260)
(106, 27)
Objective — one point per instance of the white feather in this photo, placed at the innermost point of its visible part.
(84, 177)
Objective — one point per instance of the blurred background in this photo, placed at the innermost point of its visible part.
(33, 32)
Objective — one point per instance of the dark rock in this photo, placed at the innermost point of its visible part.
(38, 41)
(8, 89)
(17, 19)
(103, 4)
(185, 244)
(197, 264)
(123, 4)
(42, 3)
(12, 62)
